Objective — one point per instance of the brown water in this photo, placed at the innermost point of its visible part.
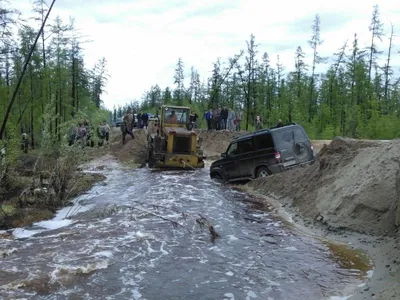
(136, 237)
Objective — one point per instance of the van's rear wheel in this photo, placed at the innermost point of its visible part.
(262, 172)
(217, 177)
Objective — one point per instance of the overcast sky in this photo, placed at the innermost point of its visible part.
(143, 39)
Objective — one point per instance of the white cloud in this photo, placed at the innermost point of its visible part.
(142, 40)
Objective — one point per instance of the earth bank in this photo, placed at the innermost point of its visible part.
(350, 195)
(38, 185)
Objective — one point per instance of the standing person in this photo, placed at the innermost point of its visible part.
(101, 134)
(209, 115)
(107, 130)
(139, 120)
(72, 131)
(215, 120)
(280, 124)
(127, 125)
(196, 119)
(89, 133)
(224, 118)
(82, 134)
(193, 119)
(231, 120)
(258, 123)
(145, 120)
(24, 143)
(239, 117)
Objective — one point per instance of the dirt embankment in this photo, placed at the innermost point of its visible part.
(216, 142)
(353, 185)
(133, 152)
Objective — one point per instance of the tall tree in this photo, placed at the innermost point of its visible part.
(315, 42)
(99, 81)
(248, 79)
(194, 87)
(179, 82)
(376, 29)
(215, 81)
(387, 69)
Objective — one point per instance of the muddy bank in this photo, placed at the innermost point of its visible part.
(216, 142)
(133, 153)
(349, 195)
(353, 185)
(37, 186)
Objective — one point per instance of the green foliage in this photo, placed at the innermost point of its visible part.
(56, 90)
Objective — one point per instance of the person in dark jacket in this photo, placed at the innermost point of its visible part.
(216, 119)
(223, 118)
(280, 124)
(193, 119)
(208, 115)
(139, 121)
(145, 120)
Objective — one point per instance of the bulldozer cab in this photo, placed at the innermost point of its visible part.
(174, 116)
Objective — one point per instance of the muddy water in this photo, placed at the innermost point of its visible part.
(136, 237)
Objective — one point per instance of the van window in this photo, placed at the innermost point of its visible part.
(245, 146)
(290, 136)
(263, 141)
(232, 150)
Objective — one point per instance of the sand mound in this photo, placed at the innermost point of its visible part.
(133, 151)
(354, 184)
(216, 142)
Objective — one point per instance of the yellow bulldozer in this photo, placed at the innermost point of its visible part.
(172, 142)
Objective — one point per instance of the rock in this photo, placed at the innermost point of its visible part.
(270, 240)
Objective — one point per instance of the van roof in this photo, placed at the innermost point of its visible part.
(262, 131)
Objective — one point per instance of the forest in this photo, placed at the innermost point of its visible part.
(57, 88)
(356, 97)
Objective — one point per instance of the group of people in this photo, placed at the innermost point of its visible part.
(82, 134)
(224, 119)
(227, 119)
(142, 120)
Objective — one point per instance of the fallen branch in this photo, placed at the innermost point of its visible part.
(174, 223)
(203, 222)
(258, 260)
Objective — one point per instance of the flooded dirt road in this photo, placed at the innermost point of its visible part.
(128, 239)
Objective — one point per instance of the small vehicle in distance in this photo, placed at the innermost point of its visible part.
(118, 122)
(263, 153)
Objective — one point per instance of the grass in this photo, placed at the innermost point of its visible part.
(8, 209)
